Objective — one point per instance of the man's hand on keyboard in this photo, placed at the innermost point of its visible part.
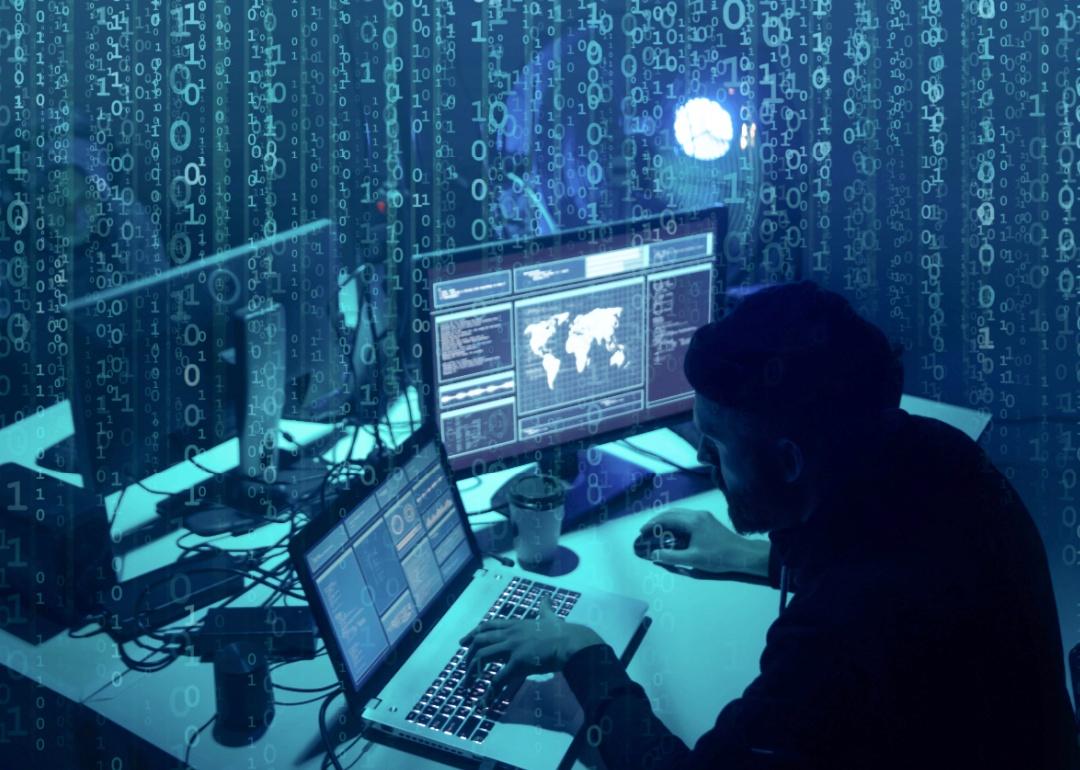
(533, 645)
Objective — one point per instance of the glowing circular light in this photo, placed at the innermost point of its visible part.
(704, 129)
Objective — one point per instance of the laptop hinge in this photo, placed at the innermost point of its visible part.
(480, 571)
(374, 703)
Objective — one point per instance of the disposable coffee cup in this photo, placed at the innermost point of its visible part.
(537, 505)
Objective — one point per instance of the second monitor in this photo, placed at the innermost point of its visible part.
(538, 348)
(173, 364)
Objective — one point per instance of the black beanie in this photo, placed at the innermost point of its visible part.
(794, 346)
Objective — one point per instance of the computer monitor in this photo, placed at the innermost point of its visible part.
(159, 366)
(566, 341)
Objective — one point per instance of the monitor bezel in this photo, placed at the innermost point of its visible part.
(321, 525)
(511, 460)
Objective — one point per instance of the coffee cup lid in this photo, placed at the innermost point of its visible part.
(537, 491)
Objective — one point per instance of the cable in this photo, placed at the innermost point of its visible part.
(269, 584)
(348, 748)
(312, 494)
(190, 741)
(284, 593)
(262, 482)
(203, 468)
(144, 665)
(280, 573)
(322, 729)
(322, 689)
(261, 577)
(318, 654)
(343, 463)
(143, 487)
(100, 630)
(289, 437)
(168, 639)
(172, 639)
(138, 609)
(486, 510)
(260, 552)
(503, 560)
(116, 509)
(174, 634)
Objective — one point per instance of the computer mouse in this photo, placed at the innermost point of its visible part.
(654, 540)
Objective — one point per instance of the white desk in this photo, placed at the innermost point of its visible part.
(701, 650)
(678, 662)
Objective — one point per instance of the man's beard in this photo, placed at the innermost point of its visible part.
(755, 514)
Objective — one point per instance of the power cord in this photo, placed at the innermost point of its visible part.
(299, 702)
(503, 560)
(144, 665)
(190, 740)
(318, 654)
(348, 748)
(203, 468)
(123, 492)
(330, 753)
(324, 689)
(339, 465)
(99, 619)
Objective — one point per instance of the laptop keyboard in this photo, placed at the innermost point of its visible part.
(452, 703)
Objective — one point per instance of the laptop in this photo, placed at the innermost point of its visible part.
(394, 579)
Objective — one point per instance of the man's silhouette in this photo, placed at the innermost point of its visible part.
(921, 630)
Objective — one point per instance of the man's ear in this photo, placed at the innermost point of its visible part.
(791, 459)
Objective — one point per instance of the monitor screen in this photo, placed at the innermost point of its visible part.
(386, 562)
(157, 374)
(544, 342)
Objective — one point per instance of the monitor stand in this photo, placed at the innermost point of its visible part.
(225, 503)
(592, 490)
(253, 493)
(231, 502)
(218, 504)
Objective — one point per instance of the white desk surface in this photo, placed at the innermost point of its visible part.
(77, 668)
(701, 649)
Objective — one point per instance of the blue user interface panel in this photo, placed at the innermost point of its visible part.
(543, 346)
(388, 560)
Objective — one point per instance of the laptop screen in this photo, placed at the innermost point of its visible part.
(388, 560)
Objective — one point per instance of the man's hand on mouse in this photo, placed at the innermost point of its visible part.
(711, 546)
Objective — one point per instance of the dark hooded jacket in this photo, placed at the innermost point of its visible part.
(921, 633)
